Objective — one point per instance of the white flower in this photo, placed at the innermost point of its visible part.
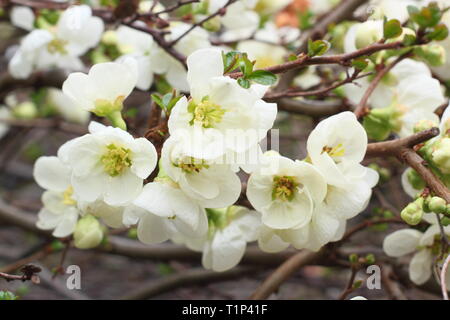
(240, 21)
(321, 6)
(60, 211)
(336, 146)
(425, 245)
(229, 232)
(361, 35)
(109, 164)
(75, 33)
(212, 184)
(140, 47)
(287, 193)
(271, 33)
(226, 116)
(112, 216)
(265, 54)
(323, 227)
(66, 107)
(409, 89)
(22, 17)
(392, 9)
(267, 7)
(174, 71)
(162, 211)
(103, 90)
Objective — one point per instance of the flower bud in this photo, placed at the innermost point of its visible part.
(109, 37)
(423, 125)
(413, 213)
(368, 33)
(212, 25)
(433, 54)
(25, 110)
(380, 122)
(441, 154)
(437, 205)
(88, 233)
(415, 180)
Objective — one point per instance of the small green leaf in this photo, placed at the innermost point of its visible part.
(392, 29)
(318, 47)
(426, 17)
(244, 83)
(409, 40)
(263, 77)
(230, 60)
(439, 33)
(157, 99)
(360, 63)
(245, 65)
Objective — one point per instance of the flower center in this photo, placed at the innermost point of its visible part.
(284, 188)
(67, 197)
(191, 164)
(207, 113)
(105, 107)
(335, 152)
(116, 159)
(57, 46)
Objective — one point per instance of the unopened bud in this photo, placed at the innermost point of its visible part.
(368, 33)
(437, 205)
(433, 54)
(441, 154)
(423, 125)
(25, 110)
(109, 37)
(413, 213)
(88, 233)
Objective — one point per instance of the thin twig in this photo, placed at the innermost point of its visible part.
(444, 277)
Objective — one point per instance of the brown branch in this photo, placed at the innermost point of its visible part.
(362, 108)
(186, 278)
(342, 59)
(29, 273)
(219, 12)
(392, 286)
(349, 288)
(284, 272)
(317, 92)
(391, 148)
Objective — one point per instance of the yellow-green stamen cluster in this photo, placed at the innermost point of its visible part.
(335, 152)
(57, 46)
(67, 197)
(207, 113)
(191, 165)
(116, 159)
(284, 188)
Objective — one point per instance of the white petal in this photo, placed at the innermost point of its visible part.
(401, 242)
(420, 267)
(203, 65)
(144, 158)
(152, 229)
(51, 174)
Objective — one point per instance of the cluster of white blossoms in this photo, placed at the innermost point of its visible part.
(188, 189)
(307, 203)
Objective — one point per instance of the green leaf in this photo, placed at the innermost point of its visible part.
(426, 17)
(245, 65)
(244, 83)
(318, 47)
(157, 99)
(230, 60)
(392, 29)
(439, 33)
(263, 77)
(360, 63)
(409, 40)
